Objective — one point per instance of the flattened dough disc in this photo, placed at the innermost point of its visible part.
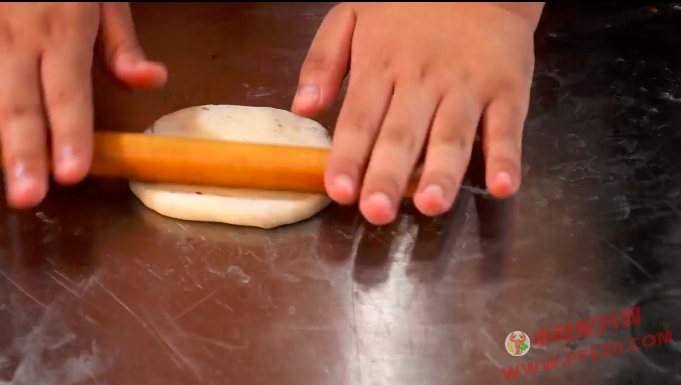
(256, 208)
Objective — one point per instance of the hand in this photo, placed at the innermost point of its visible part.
(422, 77)
(46, 53)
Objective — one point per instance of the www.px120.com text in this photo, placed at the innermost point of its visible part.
(594, 354)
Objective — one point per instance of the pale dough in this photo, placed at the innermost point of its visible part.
(265, 209)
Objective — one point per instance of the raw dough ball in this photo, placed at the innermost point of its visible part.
(265, 209)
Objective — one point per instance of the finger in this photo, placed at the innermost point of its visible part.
(503, 122)
(68, 101)
(360, 117)
(448, 154)
(22, 131)
(397, 148)
(326, 63)
(123, 53)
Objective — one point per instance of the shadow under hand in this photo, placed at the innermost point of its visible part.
(437, 236)
(372, 251)
(496, 217)
(52, 236)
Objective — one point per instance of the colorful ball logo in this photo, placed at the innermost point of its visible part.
(517, 344)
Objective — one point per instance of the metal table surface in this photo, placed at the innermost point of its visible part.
(96, 289)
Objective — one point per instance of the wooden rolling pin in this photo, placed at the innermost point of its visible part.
(210, 162)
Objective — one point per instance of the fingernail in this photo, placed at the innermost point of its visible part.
(504, 177)
(381, 200)
(435, 191)
(307, 95)
(67, 166)
(66, 161)
(344, 183)
(124, 63)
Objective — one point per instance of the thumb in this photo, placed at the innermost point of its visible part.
(123, 53)
(326, 63)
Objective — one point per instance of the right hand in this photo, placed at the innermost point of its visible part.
(46, 54)
(422, 77)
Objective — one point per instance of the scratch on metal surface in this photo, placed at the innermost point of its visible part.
(89, 373)
(674, 209)
(87, 285)
(492, 360)
(377, 238)
(476, 190)
(239, 274)
(154, 274)
(166, 349)
(121, 303)
(356, 240)
(356, 333)
(167, 342)
(670, 97)
(224, 305)
(22, 289)
(261, 92)
(486, 334)
(148, 269)
(272, 262)
(65, 277)
(625, 256)
(62, 284)
(216, 342)
(182, 227)
(45, 218)
(192, 307)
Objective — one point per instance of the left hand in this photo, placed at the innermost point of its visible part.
(421, 75)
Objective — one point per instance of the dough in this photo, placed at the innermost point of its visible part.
(256, 208)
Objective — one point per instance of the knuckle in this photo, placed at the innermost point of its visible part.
(18, 111)
(355, 128)
(27, 158)
(56, 27)
(120, 47)
(509, 136)
(507, 162)
(386, 63)
(22, 150)
(408, 71)
(64, 96)
(448, 178)
(423, 71)
(7, 37)
(506, 144)
(451, 138)
(514, 112)
(444, 80)
(317, 63)
(513, 84)
(356, 123)
(345, 160)
(462, 77)
(400, 136)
